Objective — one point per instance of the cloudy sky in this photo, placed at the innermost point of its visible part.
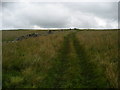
(59, 15)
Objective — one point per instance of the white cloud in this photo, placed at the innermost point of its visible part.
(59, 15)
(36, 27)
(100, 22)
(60, 0)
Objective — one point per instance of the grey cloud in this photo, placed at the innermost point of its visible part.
(102, 9)
(47, 15)
(60, 15)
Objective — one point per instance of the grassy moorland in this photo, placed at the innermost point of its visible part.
(9, 35)
(68, 59)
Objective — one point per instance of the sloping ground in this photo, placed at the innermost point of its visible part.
(61, 60)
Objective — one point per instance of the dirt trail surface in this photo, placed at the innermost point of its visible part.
(73, 68)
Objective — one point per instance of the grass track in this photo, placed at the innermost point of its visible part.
(73, 69)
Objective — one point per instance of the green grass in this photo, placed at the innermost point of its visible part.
(93, 76)
(102, 47)
(82, 59)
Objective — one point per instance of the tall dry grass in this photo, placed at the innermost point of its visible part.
(102, 47)
(26, 62)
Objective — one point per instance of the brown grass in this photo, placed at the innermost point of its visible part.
(28, 57)
(102, 47)
(26, 63)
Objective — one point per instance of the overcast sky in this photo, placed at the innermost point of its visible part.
(59, 15)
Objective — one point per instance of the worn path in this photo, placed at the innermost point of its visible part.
(73, 68)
